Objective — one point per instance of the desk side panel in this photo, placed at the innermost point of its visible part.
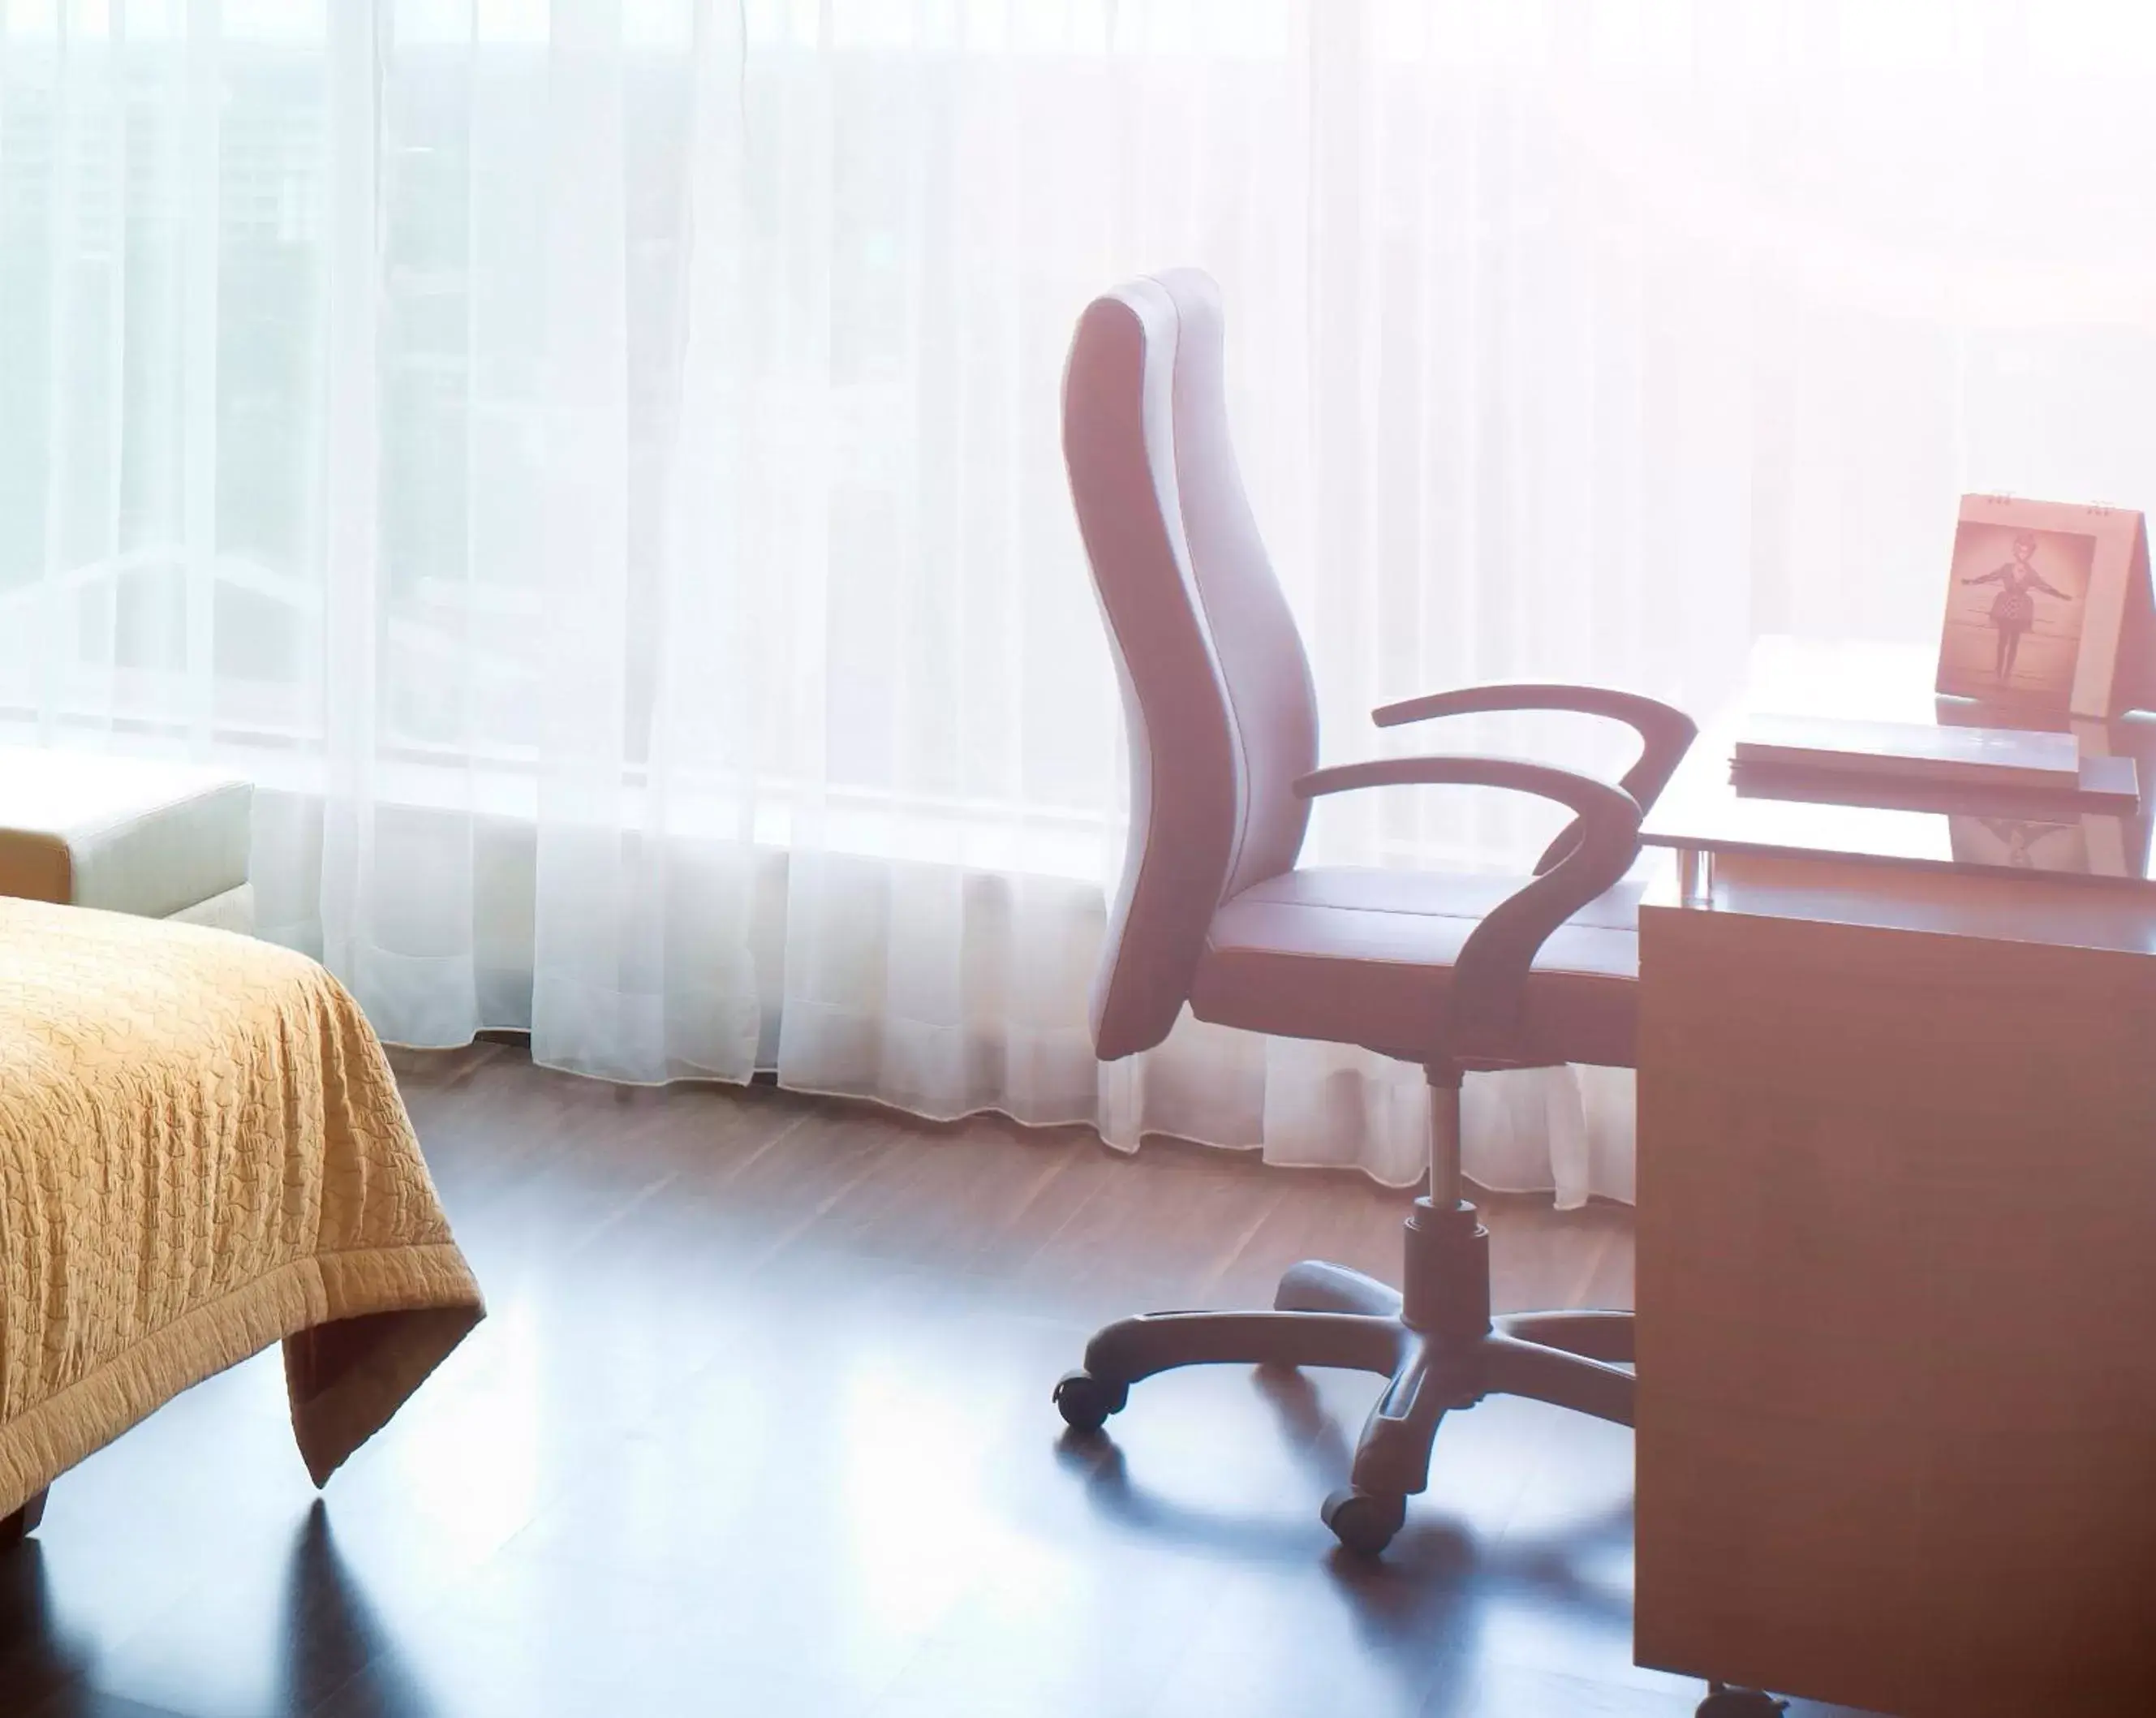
(1896, 1287)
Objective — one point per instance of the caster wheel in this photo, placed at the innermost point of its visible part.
(1085, 1402)
(1363, 1521)
(1740, 1703)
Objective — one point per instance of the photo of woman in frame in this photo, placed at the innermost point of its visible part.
(2015, 610)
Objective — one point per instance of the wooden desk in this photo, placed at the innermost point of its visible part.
(1896, 1275)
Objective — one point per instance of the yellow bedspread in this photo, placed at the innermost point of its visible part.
(202, 1152)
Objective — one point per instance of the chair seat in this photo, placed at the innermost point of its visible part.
(1364, 957)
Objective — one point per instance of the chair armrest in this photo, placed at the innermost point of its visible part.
(1489, 976)
(1666, 731)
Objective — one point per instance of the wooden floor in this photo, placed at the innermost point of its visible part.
(759, 1424)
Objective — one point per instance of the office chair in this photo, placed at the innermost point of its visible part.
(1454, 973)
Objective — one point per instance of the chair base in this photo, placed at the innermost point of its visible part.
(1434, 1338)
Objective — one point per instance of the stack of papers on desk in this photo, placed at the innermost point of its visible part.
(1912, 752)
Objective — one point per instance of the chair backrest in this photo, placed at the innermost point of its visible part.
(1216, 691)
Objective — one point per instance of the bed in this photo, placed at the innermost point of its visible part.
(202, 1152)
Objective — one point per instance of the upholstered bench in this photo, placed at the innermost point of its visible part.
(130, 834)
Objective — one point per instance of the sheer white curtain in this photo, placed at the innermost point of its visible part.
(595, 462)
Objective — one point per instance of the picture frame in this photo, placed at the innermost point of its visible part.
(2048, 608)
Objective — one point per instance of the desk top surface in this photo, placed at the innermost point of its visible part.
(1703, 809)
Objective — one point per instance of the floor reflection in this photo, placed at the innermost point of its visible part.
(1449, 1595)
(330, 1637)
(684, 1469)
(36, 1657)
(332, 1634)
